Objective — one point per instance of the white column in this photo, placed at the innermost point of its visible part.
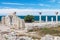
(56, 16)
(40, 16)
(46, 19)
(52, 19)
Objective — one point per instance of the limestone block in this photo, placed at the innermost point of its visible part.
(22, 24)
(7, 21)
(3, 20)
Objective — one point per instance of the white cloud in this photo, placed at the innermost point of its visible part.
(58, 2)
(12, 3)
(23, 4)
(44, 5)
(52, 0)
(29, 11)
(41, 4)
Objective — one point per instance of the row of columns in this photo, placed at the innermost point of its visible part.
(46, 17)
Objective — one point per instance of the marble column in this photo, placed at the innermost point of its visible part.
(40, 16)
(46, 19)
(52, 19)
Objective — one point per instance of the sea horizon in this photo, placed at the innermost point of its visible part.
(43, 17)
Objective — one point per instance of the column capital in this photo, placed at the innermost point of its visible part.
(56, 16)
(14, 13)
(40, 13)
(56, 13)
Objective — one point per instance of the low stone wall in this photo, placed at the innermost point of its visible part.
(42, 25)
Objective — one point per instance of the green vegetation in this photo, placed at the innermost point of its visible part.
(49, 31)
(29, 18)
(43, 31)
(6, 38)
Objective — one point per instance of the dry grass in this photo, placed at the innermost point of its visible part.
(43, 31)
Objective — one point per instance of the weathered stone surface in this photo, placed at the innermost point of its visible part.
(14, 21)
(13, 28)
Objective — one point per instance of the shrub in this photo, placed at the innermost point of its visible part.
(29, 18)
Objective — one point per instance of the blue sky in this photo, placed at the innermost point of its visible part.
(29, 4)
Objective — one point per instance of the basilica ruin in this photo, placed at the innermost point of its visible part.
(13, 28)
(13, 21)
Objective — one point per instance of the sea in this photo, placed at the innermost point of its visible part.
(36, 18)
